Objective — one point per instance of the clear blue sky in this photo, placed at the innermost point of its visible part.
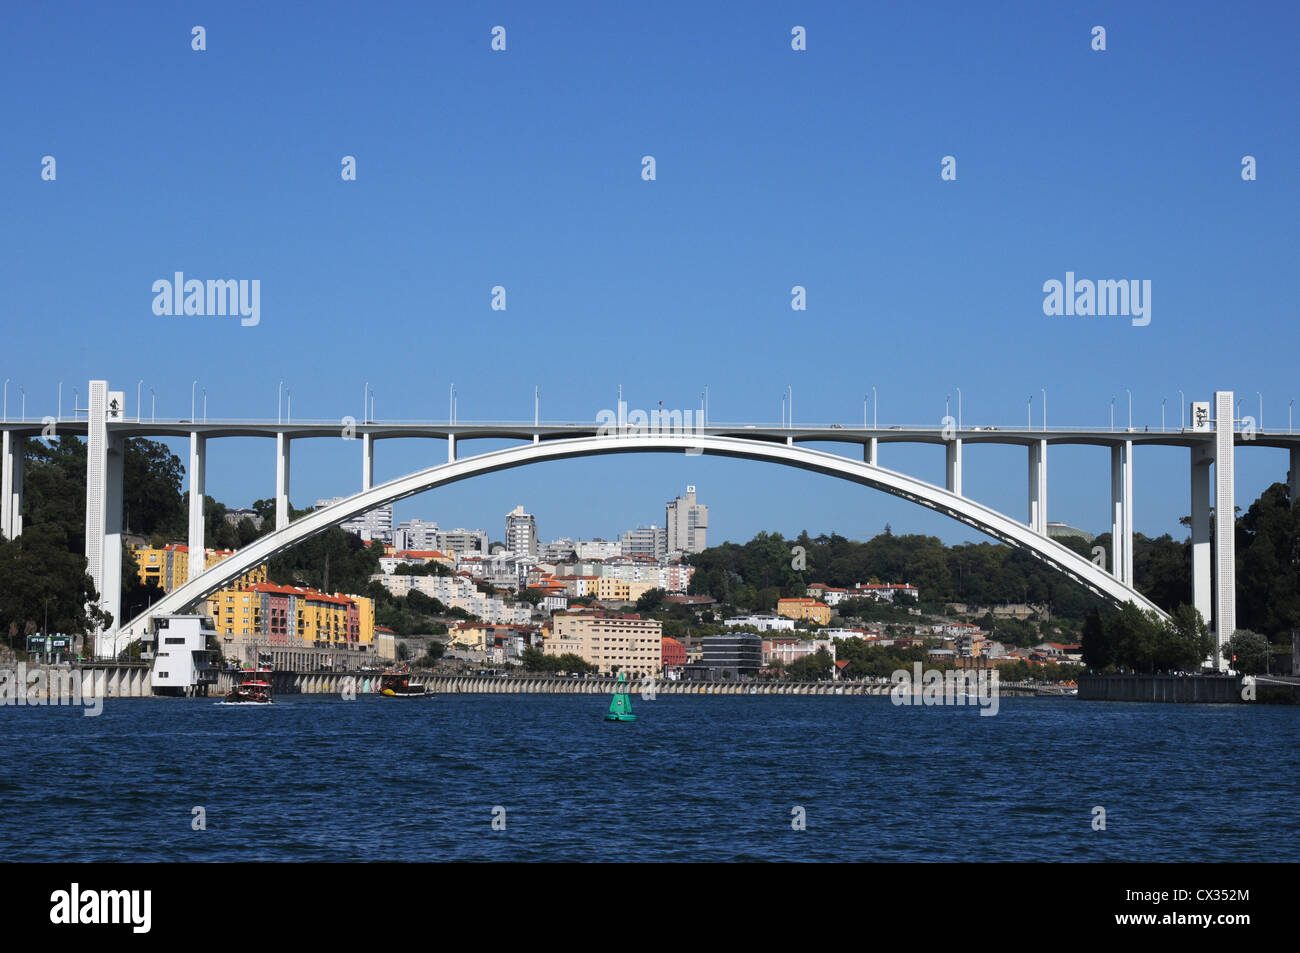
(775, 168)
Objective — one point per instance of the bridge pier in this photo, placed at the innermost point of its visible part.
(1038, 486)
(104, 513)
(1225, 516)
(952, 460)
(281, 480)
(869, 452)
(1202, 585)
(12, 455)
(367, 462)
(451, 448)
(1121, 508)
(1293, 475)
(198, 483)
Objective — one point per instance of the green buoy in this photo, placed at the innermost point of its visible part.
(620, 706)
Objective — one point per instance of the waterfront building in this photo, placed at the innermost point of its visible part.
(182, 663)
(687, 524)
(610, 641)
(735, 655)
(294, 616)
(672, 653)
(804, 608)
(787, 649)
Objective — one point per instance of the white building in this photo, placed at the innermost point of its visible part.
(645, 541)
(182, 663)
(764, 623)
(687, 524)
(416, 534)
(374, 524)
(457, 541)
(597, 548)
(521, 532)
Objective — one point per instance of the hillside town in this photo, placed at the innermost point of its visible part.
(596, 605)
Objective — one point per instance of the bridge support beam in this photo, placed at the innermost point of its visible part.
(1038, 486)
(1121, 509)
(451, 448)
(1202, 591)
(367, 462)
(104, 514)
(198, 487)
(12, 454)
(869, 452)
(952, 465)
(1225, 518)
(281, 480)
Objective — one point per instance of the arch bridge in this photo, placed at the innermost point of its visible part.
(105, 426)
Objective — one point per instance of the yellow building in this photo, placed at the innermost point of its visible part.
(809, 609)
(609, 589)
(293, 616)
(168, 567)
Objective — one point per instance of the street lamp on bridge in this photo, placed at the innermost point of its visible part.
(153, 406)
(137, 402)
(6, 401)
(1130, 408)
(1044, 409)
(1029, 413)
(958, 390)
(1260, 423)
(1112, 412)
(192, 386)
(1163, 400)
(1182, 411)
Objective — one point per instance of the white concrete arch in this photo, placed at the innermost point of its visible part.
(986, 520)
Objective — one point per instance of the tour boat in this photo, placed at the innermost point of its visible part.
(402, 685)
(255, 689)
(620, 706)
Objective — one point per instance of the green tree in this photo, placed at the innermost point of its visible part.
(1247, 652)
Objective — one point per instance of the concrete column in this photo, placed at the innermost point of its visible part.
(281, 480)
(451, 448)
(13, 449)
(952, 467)
(367, 462)
(104, 514)
(6, 480)
(869, 452)
(19, 452)
(1121, 507)
(1225, 517)
(1038, 486)
(198, 487)
(1202, 592)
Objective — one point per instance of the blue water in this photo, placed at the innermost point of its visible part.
(695, 778)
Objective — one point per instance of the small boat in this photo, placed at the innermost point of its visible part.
(402, 685)
(620, 706)
(254, 689)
